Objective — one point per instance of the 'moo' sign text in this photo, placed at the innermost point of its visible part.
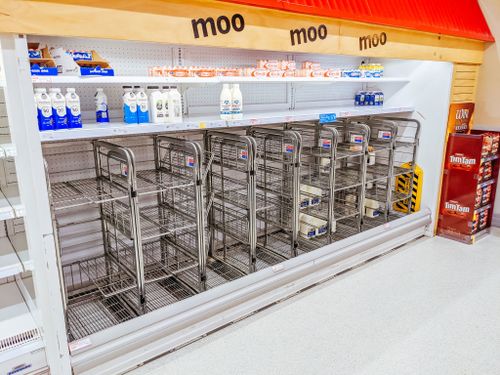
(371, 41)
(303, 35)
(221, 25)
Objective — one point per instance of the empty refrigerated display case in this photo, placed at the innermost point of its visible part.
(166, 218)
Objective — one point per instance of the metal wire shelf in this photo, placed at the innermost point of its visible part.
(154, 181)
(69, 194)
(373, 222)
(95, 313)
(162, 293)
(235, 192)
(380, 195)
(155, 220)
(237, 256)
(278, 243)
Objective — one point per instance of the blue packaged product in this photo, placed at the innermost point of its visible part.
(367, 98)
(129, 106)
(44, 109)
(357, 98)
(142, 105)
(35, 54)
(59, 114)
(73, 109)
(355, 73)
(371, 97)
(81, 55)
(362, 98)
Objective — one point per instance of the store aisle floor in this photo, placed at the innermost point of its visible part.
(431, 307)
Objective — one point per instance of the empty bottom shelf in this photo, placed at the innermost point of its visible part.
(238, 257)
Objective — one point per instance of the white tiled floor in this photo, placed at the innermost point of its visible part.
(432, 307)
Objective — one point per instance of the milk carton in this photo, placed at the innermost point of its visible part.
(73, 109)
(59, 116)
(142, 105)
(101, 106)
(156, 107)
(129, 106)
(44, 109)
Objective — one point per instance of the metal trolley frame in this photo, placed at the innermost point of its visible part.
(278, 181)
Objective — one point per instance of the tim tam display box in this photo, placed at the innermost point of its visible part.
(469, 185)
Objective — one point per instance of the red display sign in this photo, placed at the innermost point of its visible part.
(469, 184)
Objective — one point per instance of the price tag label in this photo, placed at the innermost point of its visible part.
(327, 117)
(326, 143)
(124, 169)
(202, 125)
(384, 134)
(287, 148)
(253, 121)
(356, 138)
(190, 161)
(244, 154)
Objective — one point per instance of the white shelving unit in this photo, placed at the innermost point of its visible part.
(14, 256)
(113, 129)
(19, 333)
(22, 347)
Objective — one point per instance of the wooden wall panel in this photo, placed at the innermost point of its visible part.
(464, 83)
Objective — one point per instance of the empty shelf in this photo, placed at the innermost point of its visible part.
(14, 256)
(18, 330)
(10, 203)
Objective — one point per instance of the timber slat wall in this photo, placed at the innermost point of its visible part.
(464, 83)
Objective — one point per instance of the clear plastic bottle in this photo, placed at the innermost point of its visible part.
(101, 106)
(156, 105)
(73, 108)
(166, 103)
(174, 105)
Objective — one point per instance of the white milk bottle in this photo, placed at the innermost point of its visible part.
(142, 105)
(129, 106)
(73, 109)
(236, 102)
(59, 117)
(174, 105)
(225, 102)
(156, 106)
(101, 106)
(44, 109)
(166, 102)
